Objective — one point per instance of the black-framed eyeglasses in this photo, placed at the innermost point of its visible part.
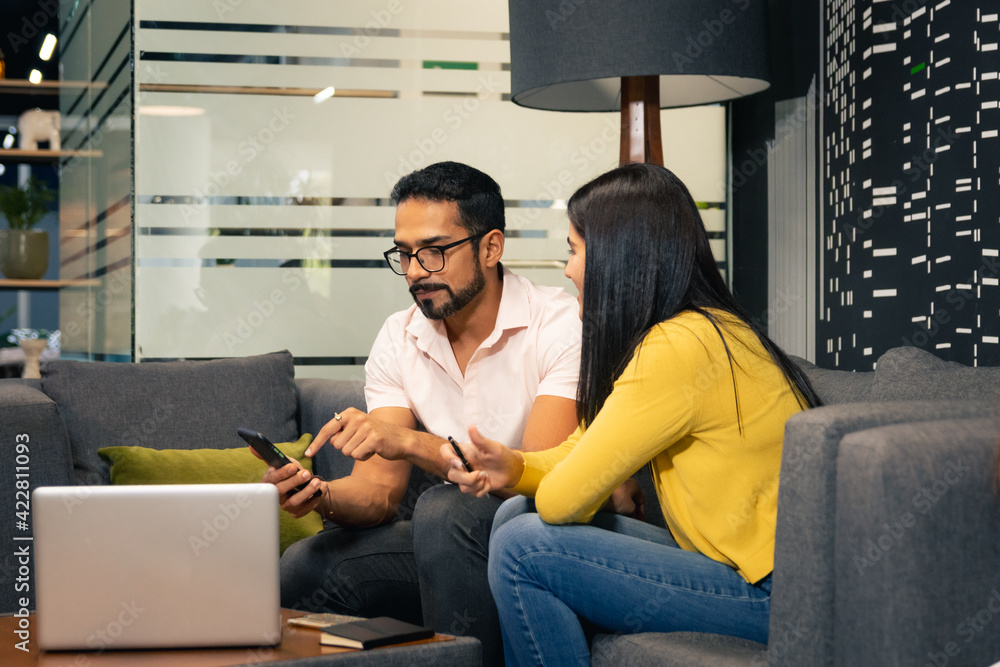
(430, 257)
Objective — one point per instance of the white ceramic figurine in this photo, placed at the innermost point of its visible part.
(37, 125)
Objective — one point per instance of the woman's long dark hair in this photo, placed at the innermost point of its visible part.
(647, 259)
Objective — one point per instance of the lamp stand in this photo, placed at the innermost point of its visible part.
(641, 140)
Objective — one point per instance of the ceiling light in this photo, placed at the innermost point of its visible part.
(2, 169)
(8, 141)
(35, 76)
(48, 46)
(324, 94)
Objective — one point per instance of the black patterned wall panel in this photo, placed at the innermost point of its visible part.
(910, 159)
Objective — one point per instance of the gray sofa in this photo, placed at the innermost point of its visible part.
(887, 546)
(888, 536)
(51, 429)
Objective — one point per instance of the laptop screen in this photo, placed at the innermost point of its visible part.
(156, 566)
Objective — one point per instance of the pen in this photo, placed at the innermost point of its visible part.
(458, 450)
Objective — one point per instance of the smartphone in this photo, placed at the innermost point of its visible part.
(460, 454)
(274, 456)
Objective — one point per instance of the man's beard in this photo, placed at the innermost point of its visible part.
(457, 301)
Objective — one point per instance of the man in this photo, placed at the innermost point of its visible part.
(480, 346)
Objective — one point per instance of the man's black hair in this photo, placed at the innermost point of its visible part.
(480, 204)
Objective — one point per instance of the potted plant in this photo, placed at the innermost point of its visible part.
(24, 251)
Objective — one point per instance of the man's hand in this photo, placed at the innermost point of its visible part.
(361, 437)
(627, 500)
(296, 503)
(494, 466)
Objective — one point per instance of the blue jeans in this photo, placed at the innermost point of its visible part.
(451, 535)
(619, 574)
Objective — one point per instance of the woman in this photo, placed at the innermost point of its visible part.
(673, 373)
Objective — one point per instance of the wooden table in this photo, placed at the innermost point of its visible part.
(296, 643)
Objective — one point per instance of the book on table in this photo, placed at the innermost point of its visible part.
(319, 620)
(372, 633)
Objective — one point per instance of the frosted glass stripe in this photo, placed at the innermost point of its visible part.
(356, 373)
(262, 247)
(319, 77)
(694, 147)
(222, 311)
(266, 200)
(318, 217)
(548, 276)
(714, 219)
(406, 48)
(376, 14)
(285, 248)
(288, 232)
(718, 249)
(320, 152)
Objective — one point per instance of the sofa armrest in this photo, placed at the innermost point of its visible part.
(917, 545)
(34, 452)
(804, 580)
(318, 400)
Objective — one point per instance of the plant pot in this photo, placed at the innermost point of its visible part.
(24, 253)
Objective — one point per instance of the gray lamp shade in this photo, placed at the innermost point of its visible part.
(570, 55)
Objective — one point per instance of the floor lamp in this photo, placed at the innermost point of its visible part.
(637, 56)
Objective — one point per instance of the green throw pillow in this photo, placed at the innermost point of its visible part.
(142, 465)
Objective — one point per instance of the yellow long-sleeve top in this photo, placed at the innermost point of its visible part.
(674, 405)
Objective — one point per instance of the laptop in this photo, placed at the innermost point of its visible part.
(159, 566)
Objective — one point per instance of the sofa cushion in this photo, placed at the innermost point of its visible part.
(170, 405)
(837, 386)
(676, 649)
(909, 373)
(140, 465)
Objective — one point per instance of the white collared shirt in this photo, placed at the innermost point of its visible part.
(534, 350)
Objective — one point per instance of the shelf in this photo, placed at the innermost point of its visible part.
(25, 87)
(47, 284)
(41, 156)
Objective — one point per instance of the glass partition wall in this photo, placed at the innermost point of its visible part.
(266, 138)
(95, 182)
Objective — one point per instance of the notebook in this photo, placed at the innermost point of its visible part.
(373, 632)
(156, 566)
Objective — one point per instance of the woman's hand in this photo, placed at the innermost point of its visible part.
(494, 466)
(627, 500)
